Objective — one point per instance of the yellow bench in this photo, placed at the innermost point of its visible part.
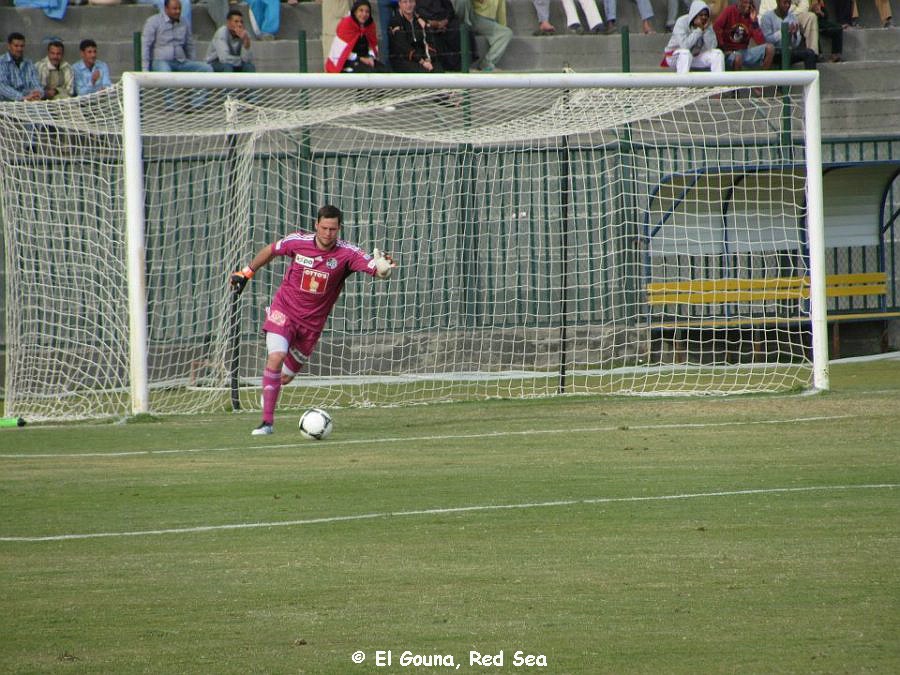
(721, 291)
(726, 291)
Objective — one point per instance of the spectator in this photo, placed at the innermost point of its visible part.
(735, 28)
(488, 19)
(410, 51)
(771, 27)
(229, 51)
(167, 43)
(53, 9)
(19, 80)
(591, 16)
(186, 14)
(830, 29)
(542, 7)
(355, 45)
(442, 31)
(168, 46)
(55, 75)
(644, 9)
(884, 11)
(693, 43)
(91, 75)
(385, 10)
(265, 17)
(809, 22)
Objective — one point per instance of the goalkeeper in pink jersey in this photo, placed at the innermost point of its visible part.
(320, 262)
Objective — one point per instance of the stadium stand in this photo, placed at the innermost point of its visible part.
(860, 97)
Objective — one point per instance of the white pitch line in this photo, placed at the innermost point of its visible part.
(447, 437)
(450, 510)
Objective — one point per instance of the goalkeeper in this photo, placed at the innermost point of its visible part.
(320, 262)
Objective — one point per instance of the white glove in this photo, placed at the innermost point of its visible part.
(383, 266)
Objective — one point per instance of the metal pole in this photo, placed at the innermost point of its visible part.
(135, 253)
(815, 223)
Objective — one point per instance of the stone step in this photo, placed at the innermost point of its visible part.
(861, 79)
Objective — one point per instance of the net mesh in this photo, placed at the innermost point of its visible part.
(544, 236)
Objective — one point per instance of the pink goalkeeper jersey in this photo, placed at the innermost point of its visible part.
(314, 279)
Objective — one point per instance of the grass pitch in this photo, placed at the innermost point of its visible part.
(750, 534)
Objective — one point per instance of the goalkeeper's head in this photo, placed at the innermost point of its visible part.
(330, 211)
(328, 226)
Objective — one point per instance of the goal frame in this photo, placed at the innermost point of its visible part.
(134, 82)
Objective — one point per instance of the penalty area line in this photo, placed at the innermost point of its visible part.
(450, 510)
(445, 437)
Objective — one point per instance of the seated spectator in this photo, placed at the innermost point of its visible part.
(830, 29)
(645, 10)
(355, 45)
(229, 50)
(542, 8)
(168, 46)
(55, 75)
(186, 15)
(442, 30)
(488, 19)
(693, 43)
(735, 28)
(19, 80)
(91, 75)
(410, 51)
(167, 43)
(591, 16)
(265, 17)
(809, 22)
(771, 27)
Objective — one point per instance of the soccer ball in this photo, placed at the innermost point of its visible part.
(316, 424)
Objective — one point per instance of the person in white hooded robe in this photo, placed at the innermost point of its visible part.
(693, 43)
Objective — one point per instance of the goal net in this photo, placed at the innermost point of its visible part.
(563, 234)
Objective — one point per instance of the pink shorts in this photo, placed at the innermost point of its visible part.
(301, 340)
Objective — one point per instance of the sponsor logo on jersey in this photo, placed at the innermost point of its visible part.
(314, 281)
(303, 260)
(276, 317)
(332, 263)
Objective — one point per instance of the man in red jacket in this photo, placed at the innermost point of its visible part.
(735, 27)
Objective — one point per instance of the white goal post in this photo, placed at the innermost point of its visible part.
(637, 234)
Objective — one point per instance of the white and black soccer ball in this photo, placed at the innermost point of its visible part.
(316, 424)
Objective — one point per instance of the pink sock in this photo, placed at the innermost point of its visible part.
(271, 385)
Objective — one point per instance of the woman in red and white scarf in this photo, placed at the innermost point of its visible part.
(355, 45)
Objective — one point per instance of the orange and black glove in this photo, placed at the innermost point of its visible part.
(240, 279)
